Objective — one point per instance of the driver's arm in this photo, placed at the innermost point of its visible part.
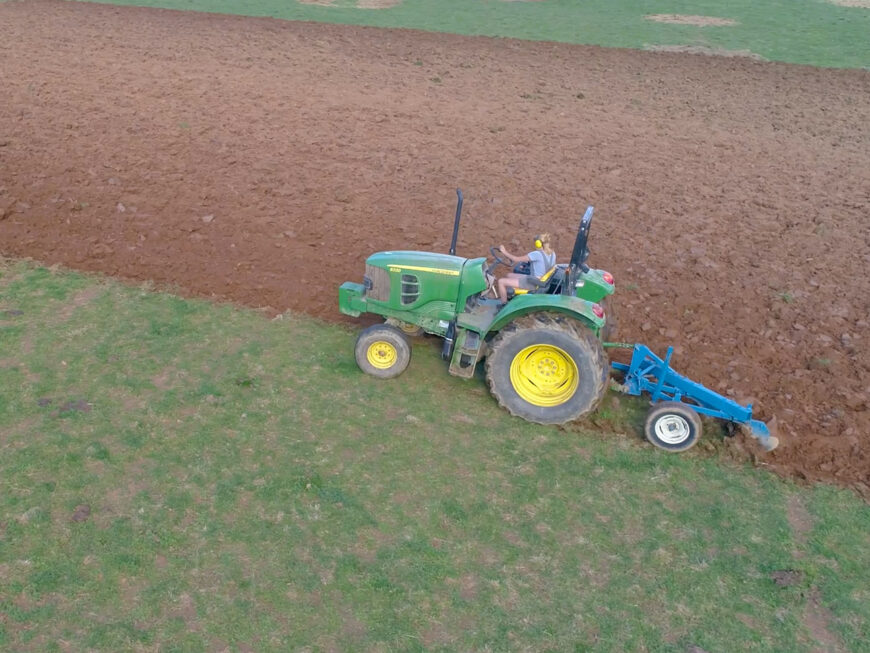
(514, 258)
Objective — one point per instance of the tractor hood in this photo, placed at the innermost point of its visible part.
(442, 264)
(419, 288)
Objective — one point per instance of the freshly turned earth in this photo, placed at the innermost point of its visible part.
(260, 162)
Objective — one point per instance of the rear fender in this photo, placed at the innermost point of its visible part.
(520, 305)
(592, 287)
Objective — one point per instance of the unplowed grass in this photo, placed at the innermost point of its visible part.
(811, 32)
(178, 475)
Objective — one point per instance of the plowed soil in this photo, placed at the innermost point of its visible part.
(260, 162)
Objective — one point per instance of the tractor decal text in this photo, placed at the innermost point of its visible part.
(449, 273)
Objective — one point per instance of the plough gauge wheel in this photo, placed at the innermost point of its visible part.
(672, 426)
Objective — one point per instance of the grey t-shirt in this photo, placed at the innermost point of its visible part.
(541, 263)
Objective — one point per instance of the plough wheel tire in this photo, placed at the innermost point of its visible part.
(672, 426)
(382, 351)
(547, 369)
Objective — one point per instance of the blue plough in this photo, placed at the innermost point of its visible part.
(673, 421)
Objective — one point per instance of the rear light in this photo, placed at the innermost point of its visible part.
(599, 312)
(608, 278)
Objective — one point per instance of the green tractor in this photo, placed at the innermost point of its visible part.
(545, 361)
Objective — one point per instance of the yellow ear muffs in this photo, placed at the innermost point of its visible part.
(538, 243)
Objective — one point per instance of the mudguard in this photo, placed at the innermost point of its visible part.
(579, 309)
(593, 287)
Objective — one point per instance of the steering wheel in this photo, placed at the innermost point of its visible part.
(497, 255)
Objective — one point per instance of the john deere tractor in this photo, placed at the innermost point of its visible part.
(542, 347)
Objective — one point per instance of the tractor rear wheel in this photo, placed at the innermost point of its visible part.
(547, 369)
(382, 351)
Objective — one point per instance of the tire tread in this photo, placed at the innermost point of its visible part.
(552, 322)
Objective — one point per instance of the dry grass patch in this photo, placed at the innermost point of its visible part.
(698, 21)
(360, 4)
(377, 4)
(81, 298)
(700, 49)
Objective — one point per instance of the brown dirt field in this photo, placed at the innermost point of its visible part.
(260, 162)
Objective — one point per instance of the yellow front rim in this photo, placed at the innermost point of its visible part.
(382, 355)
(544, 375)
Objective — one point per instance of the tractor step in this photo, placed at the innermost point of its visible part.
(468, 346)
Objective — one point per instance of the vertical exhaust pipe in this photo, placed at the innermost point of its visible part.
(456, 223)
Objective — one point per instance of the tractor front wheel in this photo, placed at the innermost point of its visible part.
(547, 369)
(382, 351)
(410, 330)
(672, 426)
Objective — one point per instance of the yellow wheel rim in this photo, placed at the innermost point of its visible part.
(382, 355)
(544, 375)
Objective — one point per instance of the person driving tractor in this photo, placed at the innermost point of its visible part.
(540, 261)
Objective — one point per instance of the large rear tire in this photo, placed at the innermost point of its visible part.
(547, 368)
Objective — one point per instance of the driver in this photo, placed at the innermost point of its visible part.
(540, 260)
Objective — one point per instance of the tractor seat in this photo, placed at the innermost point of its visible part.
(548, 284)
(545, 283)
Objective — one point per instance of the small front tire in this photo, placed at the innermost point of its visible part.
(382, 351)
(410, 330)
(672, 426)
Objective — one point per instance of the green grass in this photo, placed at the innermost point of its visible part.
(247, 486)
(812, 32)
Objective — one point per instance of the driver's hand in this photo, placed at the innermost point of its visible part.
(502, 250)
